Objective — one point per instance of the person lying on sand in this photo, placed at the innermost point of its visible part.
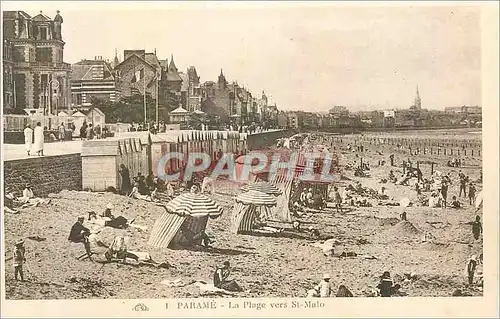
(29, 199)
(9, 201)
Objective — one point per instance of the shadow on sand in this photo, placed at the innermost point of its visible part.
(214, 250)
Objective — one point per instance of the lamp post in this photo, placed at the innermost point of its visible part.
(157, 98)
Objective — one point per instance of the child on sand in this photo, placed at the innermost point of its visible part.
(19, 259)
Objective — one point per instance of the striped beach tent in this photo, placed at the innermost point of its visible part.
(194, 205)
(256, 198)
(248, 208)
(186, 217)
(263, 187)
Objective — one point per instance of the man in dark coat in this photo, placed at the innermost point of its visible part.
(80, 234)
(125, 175)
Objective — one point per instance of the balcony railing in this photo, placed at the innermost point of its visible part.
(52, 65)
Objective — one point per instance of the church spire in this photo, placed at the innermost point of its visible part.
(116, 61)
(418, 102)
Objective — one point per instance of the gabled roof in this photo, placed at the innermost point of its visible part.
(10, 15)
(179, 110)
(192, 74)
(41, 18)
(83, 70)
(152, 59)
(135, 56)
(78, 114)
(95, 110)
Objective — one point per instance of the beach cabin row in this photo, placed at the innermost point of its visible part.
(101, 160)
(143, 151)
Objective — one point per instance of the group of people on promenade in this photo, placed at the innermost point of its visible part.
(34, 139)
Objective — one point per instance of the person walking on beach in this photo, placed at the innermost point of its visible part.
(83, 131)
(28, 138)
(39, 139)
(471, 268)
(19, 259)
(391, 157)
(463, 184)
(338, 200)
(445, 182)
(472, 193)
(62, 132)
(477, 228)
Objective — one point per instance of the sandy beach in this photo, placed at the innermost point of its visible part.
(265, 266)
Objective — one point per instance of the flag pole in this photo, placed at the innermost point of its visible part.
(145, 114)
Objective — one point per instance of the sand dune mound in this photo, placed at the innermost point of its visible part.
(388, 221)
(405, 228)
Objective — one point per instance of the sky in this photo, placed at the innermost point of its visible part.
(306, 56)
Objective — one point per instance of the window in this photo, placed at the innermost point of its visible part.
(43, 33)
(44, 55)
(78, 99)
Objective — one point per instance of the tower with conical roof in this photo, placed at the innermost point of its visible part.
(222, 81)
(116, 61)
(171, 66)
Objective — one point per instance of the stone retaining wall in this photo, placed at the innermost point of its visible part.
(49, 174)
(266, 139)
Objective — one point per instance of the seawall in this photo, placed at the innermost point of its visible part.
(266, 139)
(49, 174)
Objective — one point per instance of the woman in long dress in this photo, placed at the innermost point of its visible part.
(39, 139)
(28, 138)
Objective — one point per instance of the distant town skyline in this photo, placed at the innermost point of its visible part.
(306, 56)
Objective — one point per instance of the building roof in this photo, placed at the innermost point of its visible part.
(179, 110)
(171, 66)
(152, 59)
(192, 74)
(164, 64)
(10, 15)
(83, 70)
(41, 18)
(133, 55)
(78, 114)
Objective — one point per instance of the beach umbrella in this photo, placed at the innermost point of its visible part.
(195, 205)
(479, 199)
(264, 187)
(256, 198)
